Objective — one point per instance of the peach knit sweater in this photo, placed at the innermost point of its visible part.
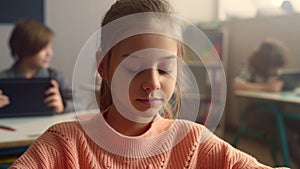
(70, 145)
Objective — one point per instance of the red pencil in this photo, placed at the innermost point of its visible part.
(7, 128)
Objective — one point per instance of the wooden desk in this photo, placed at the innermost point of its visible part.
(27, 129)
(287, 97)
(272, 101)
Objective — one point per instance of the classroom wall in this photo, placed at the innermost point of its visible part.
(245, 35)
(196, 11)
(5, 60)
(74, 21)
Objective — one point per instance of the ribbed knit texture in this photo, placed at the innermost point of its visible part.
(67, 146)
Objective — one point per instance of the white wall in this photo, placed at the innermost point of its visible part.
(5, 60)
(197, 10)
(232, 9)
(74, 21)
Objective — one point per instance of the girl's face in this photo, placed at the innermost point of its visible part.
(146, 80)
(42, 58)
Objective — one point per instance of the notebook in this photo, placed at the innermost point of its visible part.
(291, 80)
(26, 97)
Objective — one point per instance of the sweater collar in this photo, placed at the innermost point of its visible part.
(162, 136)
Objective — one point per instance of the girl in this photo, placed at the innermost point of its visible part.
(130, 133)
(31, 48)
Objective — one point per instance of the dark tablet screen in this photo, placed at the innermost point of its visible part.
(26, 97)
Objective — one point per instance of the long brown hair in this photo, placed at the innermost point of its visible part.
(123, 8)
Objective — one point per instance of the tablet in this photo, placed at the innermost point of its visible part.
(291, 80)
(26, 97)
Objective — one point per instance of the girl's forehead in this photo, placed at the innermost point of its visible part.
(151, 55)
(144, 41)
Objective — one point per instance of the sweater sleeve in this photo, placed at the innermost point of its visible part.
(38, 156)
(216, 153)
(49, 151)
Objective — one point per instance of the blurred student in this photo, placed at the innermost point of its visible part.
(262, 74)
(31, 47)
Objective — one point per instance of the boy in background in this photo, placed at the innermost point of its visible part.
(31, 47)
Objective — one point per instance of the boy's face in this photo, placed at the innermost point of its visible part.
(42, 58)
(273, 70)
(153, 69)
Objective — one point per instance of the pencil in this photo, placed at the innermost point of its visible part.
(7, 128)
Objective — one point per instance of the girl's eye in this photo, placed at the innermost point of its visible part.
(132, 69)
(163, 71)
(131, 66)
(166, 67)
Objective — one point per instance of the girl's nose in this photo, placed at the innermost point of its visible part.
(151, 80)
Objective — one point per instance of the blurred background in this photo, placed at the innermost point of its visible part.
(240, 25)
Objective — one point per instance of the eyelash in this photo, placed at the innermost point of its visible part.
(132, 71)
(162, 72)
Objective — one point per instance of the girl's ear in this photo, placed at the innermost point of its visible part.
(100, 58)
(101, 70)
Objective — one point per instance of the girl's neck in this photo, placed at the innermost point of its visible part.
(123, 125)
(27, 70)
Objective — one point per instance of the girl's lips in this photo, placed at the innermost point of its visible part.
(150, 101)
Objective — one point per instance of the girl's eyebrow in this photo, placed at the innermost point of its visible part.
(172, 56)
(125, 55)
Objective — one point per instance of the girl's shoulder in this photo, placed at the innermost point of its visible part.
(66, 126)
(195, 127)
(65, 131)
(197, 132)
(178, 125)
(186, 128)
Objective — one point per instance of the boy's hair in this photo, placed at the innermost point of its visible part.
(123, 8)
(271, 53)
(28, 38)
